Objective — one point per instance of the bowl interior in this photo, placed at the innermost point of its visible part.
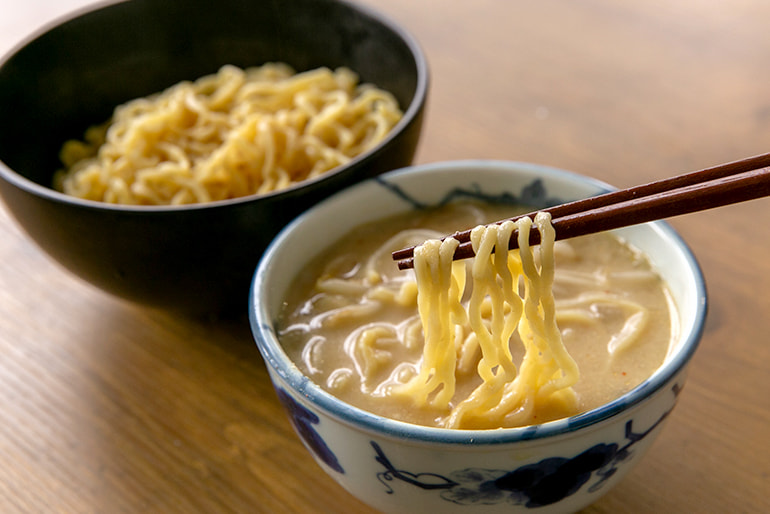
(434, 184)
(73, 74)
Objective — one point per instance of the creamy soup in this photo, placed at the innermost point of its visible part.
(351, 322)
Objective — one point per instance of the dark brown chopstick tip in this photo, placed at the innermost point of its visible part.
(718, 186)
(405, 264)
(404, 253)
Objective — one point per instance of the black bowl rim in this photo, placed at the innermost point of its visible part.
(412, 112)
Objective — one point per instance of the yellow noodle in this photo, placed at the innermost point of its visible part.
(235, 133)
(547, 371)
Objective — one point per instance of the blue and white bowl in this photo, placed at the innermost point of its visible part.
(559, 466)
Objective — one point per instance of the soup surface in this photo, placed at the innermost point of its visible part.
(351, 322)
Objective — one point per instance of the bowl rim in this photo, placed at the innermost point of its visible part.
(409, 116)
(279, 362)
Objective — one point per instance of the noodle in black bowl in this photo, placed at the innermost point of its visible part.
(398, 466)
(194, 258)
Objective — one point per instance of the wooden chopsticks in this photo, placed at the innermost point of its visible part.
(729, 183)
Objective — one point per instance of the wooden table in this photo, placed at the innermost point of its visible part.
(108, 407)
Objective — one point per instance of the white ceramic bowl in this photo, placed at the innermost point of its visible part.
(559, 466)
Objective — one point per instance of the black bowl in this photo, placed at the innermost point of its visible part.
(198, 258)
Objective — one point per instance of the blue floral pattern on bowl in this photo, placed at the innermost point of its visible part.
(532, 485)
(533, 195)
(302, 419)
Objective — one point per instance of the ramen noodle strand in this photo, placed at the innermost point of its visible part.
(436, 375)
(547, 371)
(495, 277)
(234, 133)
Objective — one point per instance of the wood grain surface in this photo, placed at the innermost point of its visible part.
(108, 407)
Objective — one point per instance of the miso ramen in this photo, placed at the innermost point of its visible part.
(353, 325)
